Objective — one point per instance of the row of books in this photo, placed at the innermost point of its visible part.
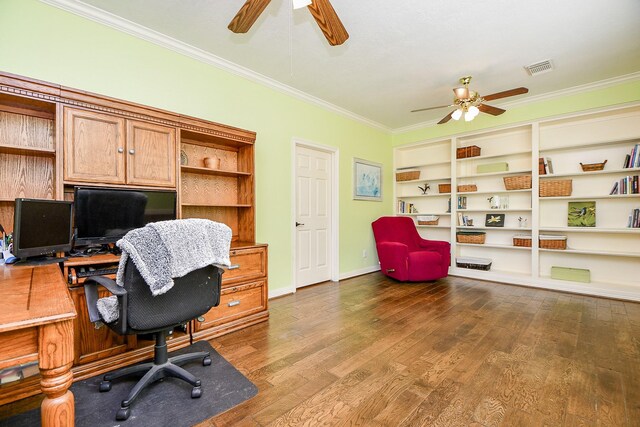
(464, 220)
(632, 160)
(634, 219)
(462, 202)
(545, 166)
(627, 185)
(405, 207)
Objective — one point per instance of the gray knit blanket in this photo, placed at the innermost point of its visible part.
(162, 251)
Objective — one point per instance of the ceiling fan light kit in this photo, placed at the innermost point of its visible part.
(469, 103)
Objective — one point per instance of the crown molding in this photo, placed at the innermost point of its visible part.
(105, 18)
(614, 81)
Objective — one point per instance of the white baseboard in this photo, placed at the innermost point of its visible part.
(275, 293)
(359, 272)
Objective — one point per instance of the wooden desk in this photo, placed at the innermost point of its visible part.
(36, 321)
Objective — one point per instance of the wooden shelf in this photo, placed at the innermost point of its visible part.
(491, 245)
(591, 252)
(494, 210)
(593, 230)
(433, 226)
(528, 190)
(464, 227)
(424, 195)
(493, 156)
(606, 143)
(414, 181)
(587, 174)
(213, 205)
(422, 165)
(207, 171)
(607, 196)
(422, 213)
(20, 150)
(475, 175)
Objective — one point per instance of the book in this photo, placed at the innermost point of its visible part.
(614, 189)
(627, 162)
(542, 170)
(549, 165)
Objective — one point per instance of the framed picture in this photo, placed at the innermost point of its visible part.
(494, 220)
(367, 180)
(581, 214)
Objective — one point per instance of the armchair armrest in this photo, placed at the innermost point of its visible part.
(393, 258)
(91, 295)
(440, 246)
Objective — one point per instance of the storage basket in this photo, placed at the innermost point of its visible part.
(464, 152)
(428, 220)
(553, 242)
(523, 241)
(518, 182)
(471, 237)
(474, 263)
(467, 188)
(590, 167)
(407, 176)
(444, 188)
(555, 188)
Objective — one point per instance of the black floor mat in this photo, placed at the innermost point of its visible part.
(166, 403)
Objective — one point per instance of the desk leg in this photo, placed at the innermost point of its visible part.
(55, 352)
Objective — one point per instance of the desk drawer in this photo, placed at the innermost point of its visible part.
(17, 347)
(236, 302)
(246, 264)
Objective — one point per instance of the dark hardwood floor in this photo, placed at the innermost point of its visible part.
(374, 352)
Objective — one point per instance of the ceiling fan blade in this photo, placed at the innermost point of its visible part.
(494, 111)
(328, 21)
(247, 15)
(430, 108)
(446, 118)
(506, 93)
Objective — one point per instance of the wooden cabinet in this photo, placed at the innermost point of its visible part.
(236, 302)
(107, 149)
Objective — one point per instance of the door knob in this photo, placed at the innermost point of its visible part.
(120, 150)
(298, 223)
(132, 151)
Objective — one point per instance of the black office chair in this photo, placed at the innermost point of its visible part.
(142, 313)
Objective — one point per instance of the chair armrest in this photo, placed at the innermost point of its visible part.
(91, 295)
(393, 257)
(440, 246)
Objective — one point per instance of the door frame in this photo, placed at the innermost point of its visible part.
(334, 244)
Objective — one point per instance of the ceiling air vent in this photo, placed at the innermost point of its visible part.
(539, 67)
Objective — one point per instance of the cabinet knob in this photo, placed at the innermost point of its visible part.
(132, 151)
(120, 150)
(233, 303)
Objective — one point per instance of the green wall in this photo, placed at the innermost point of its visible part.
(43, 42)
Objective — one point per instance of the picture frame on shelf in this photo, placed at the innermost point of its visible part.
(367, 180)
(494, 220)
(581, 214)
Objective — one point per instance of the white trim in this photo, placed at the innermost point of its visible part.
(335, 206)
(105, 18)
(359, 272)
(537, 98)
(275, 293)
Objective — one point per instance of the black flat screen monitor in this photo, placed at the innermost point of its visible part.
(104, 215)
(41, 227)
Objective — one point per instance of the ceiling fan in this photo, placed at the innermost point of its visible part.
(470, 103)
(322, 11)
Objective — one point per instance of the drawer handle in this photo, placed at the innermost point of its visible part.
(233, 303)
(233, 267)
(200, 319)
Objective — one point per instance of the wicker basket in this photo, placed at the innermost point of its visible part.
(407, 176)
(553, 242)
(518, 182)
(555, 188)
(467, 188)
(476, 238)
(590, 167)
(428, 220)
(464, 152)
(523, 241)
(444, 188)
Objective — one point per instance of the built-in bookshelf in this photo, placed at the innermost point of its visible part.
(609, 249)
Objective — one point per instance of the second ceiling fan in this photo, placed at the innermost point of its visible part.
(469, 103)
(322, 11)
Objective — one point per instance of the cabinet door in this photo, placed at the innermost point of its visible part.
(93, 147)
(151, 154)
(235, 303)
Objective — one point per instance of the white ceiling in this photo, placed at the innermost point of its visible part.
(408, 54)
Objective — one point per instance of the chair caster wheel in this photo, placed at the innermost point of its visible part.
(206, 361)
(105, 386)
(123, 413)
(196, 392)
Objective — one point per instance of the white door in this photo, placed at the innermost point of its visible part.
(313, 215)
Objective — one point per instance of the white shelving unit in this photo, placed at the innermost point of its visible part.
(610, 250)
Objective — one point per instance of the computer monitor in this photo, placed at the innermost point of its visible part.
(105, 215)
(41, 227)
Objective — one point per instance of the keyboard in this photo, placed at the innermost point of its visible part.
(97, 272)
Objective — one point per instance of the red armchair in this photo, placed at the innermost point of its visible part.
(404, 255)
